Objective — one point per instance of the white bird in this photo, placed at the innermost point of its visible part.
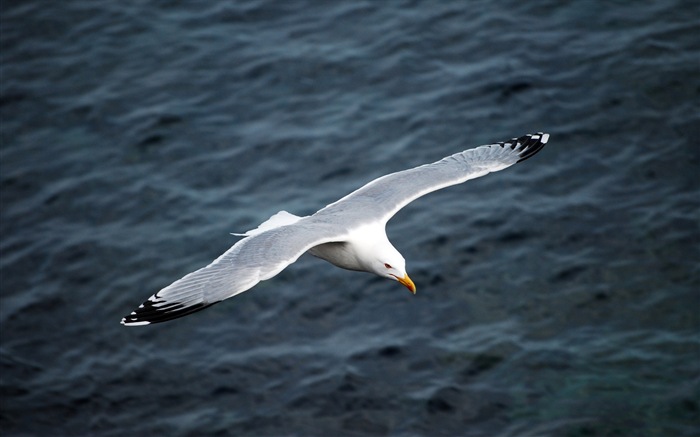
(349, 233)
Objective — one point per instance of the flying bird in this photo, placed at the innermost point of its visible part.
(349, 233)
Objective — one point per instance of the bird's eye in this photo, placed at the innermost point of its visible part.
(388, 266)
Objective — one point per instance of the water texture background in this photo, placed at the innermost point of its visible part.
(560, 297)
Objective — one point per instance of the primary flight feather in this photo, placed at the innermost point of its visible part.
(349, 233)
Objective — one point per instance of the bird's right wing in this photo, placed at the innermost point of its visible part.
(251, 260)
(380, 199)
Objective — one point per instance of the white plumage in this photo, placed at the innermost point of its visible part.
(349, 233)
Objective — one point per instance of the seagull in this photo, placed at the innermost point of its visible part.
(349, 233)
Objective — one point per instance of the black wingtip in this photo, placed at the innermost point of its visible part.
(527, 145)
(149, 313)
(531, 144)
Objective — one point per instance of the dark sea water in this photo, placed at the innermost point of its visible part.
(560, 297)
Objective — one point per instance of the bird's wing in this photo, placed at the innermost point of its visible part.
(249, 261)
(380, 199)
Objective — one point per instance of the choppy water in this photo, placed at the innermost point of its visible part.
(560, 297)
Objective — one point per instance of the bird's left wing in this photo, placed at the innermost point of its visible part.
(380, 199)
(249, 261)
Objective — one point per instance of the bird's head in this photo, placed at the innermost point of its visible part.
(400, 275)
(390, 264)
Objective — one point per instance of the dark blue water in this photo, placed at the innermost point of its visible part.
(560, 297)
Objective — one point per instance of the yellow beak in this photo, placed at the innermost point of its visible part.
(408, 283)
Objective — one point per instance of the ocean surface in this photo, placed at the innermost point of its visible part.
(559, 297)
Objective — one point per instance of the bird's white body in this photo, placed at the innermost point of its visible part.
(365, 249)
(349, 233)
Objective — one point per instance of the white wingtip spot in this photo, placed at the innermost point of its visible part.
(125, 323)
(544, 139)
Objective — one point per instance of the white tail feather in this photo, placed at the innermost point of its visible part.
(282, 218)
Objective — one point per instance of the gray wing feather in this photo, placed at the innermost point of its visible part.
(249, 261)
(262, 256)
(385, 196)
